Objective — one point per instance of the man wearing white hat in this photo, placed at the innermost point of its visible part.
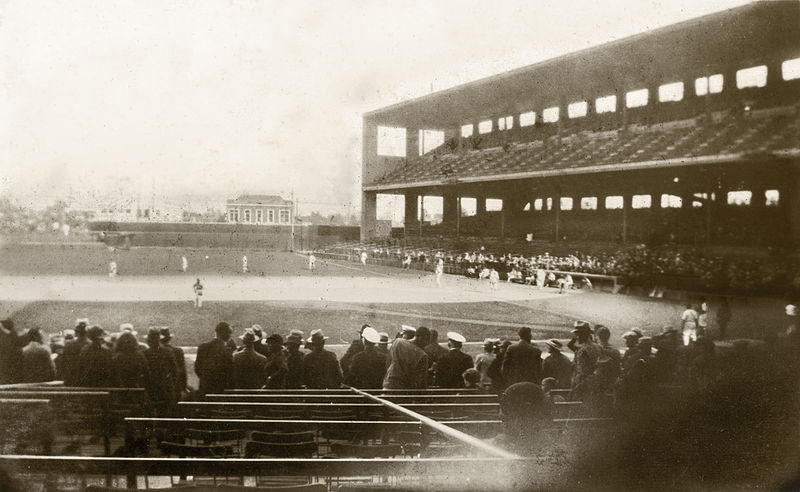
(408, 332)
(368, 367)
(453, 364)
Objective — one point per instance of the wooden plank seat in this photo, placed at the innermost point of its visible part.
(305, 449)
(366, 451)
(213, 436)
(345, 391)
(206, 407)
(182, 450)
(26, 423)
(311, 487)
(283, 437)
(338, 398)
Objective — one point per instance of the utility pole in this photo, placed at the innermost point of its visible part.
(291, 220)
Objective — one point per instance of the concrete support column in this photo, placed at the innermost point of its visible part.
(368, 214)
(410, 222)
(412, 143)
(449, 210)
(627, 200)
(557, 211)
(792, 203)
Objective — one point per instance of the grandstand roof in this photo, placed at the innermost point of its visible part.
(260, 200)
(741, 35)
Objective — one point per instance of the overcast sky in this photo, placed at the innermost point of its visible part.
(222, 97)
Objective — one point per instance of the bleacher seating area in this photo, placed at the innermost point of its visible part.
(725, 133)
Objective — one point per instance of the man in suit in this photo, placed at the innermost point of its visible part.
(214, 362)
(408, 365)
(162, 370)
(557, 365)
(70, 356)
(320, 367)
(453, 364)
(523, 361)
(368, 366)
(294, 360)
(248, 365)
(356, 346)
(94, 365)
(180, 361)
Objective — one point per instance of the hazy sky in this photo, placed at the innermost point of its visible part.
(224, 97)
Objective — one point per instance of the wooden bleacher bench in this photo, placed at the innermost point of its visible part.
(343, 398)
(26, 422)
(345, 391)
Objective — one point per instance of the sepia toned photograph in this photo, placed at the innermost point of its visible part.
(349, 246)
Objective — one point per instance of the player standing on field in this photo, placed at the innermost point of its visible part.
(198, 294)
(184, 264)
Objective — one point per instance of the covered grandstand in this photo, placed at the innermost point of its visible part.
(689, 133)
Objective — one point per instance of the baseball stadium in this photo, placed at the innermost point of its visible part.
(593, 287)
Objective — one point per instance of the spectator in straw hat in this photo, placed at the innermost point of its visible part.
(523, 361)
(557, 365)
(453, 364)
(320, 367)
(294, 360)
(181, 380)
(247, 371)
(408, 362)
(214, 362)
(355, 347)
(70, 357)
(587, 352)
(260, 345)
(368, 366)
(163, 371)
(276, 368)
(94, 365)
(484, 360)
(37, 360)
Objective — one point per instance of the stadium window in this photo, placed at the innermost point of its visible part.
(670, 92)
(233, 215)
(589, 203)
(485, 126)
(391, 141)
(494, 204)
(550, 115)
(671, 201)
(429, 140)
(772, 198)
(641, 201)
(708, 85)
(271, 216)
(549, 204)
(284, 216)
(259, 216)
(614, 202)
(505, 123)
(466, 130)
(565, 203)
(699, 199)
(605, 104)
(740, 198)
(751, 77)
(469, 206)
(790, 69)
(247, 215)
(527, 207)
(577, 109)
(637, 98)
(537, 204)
(527, 119)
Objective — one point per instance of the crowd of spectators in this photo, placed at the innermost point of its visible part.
(649, 267)
(56, 219)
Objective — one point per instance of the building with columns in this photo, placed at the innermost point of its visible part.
(689, 133)
(259, 209)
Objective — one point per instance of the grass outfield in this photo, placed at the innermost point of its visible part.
(339, 321)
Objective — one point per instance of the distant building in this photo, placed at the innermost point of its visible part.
(259, 209)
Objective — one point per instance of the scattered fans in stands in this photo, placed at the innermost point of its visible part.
(214, 362)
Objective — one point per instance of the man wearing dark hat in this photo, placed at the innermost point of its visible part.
(452, 365)
(162, 373)
(276, 369)
(95, 362)
(355, 347)
(294, 360)
(369, 366)
(180, 361)
(214, 362)
(603, 337)
(433, 349)
(408, 365)
(248, 365)
(523, 361)
(37, 361)
(631, 339)
(557, 365)
(69, 360)
(321, 369)
(587, 352)
(11, 344)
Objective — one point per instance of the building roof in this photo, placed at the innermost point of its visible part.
(260, 200)
(735, 38)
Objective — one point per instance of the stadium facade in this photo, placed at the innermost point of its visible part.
(688, 133)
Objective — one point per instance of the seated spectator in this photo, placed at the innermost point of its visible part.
(549, 384)
(525, 411)
(472, 380)
(484, 360)
(37, 361)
